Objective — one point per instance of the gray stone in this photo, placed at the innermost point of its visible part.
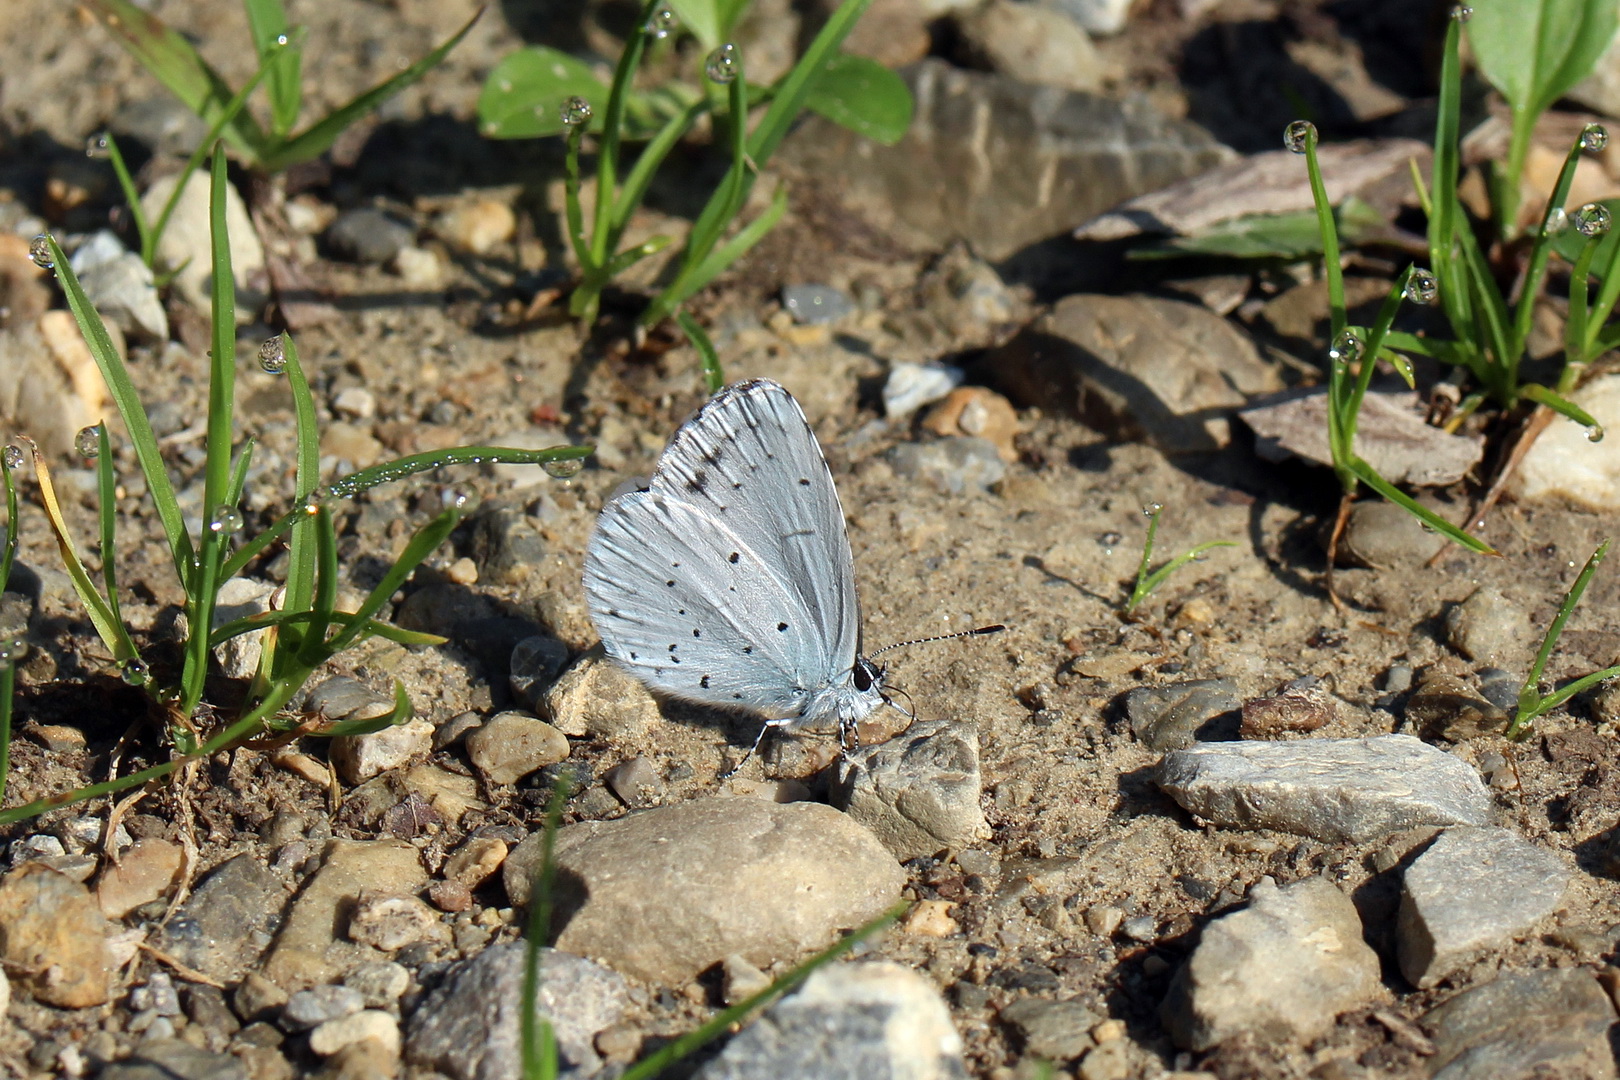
(241, 598)
(1170, 717)
(1053, 1030)
(1033, 44)
(1391, 436)
(174, 1059)
(186, 244)
(1472, 891)
(848, 1022)
(120, 286)
(1331, 789)
(315, 1006)
(1525, 1026)
(953, 466)
(635, 783)
(816, 305)
(343, 698)
(510, 746)
(1026, 162)
(1096, 16)
(1448, 707)
(1488, 627)
(599, 699)
(507, 544)
(360, 757)
(373, 1025)
(162, 124)
(368, 235)
(228, 921)
(1137, 367)
(1279, 970)
(469, 1027)
(380, 984)
(919, 792)
(1381, 534)
(663, 894)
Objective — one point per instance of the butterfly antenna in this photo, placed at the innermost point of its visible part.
(977, 632)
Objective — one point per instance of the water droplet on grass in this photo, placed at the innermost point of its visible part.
(97, 146)
(1462, 13)
(574, 112)
(39, 249)
(1149, 509)
(1594, 137)
(227, 520)
(88, 441)
(1422, 287)
(660, 24)
(136, 673)
(1346, 348)
(1592, 219)
(13, 457)
(1594, 433)
(724, 64)
(1298, 135)
(566, 469)
(273, 356)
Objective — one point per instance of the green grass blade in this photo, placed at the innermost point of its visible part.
(312, 650)
(1368, 476)
(239, 471)
(722, 257)
(318, 138)
(1145, 588)
(281, 54)
(607, 156)
(170, 58)
(401, 713)
(400, 468)
(1529, 695)
(860, 94)
(132, 196)
(266, 619)
(795, 87)
(685, 1045)
(8, 672)
(130, 410)
(1542, 249)
(107, 513)
(713, 377)
(301, 561)
(1564, 407)
(539, 1044)
(641, 173)
(573, 212)
(424, 543)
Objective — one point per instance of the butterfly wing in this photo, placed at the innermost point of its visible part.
(730, 580)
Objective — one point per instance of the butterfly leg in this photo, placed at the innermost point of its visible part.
(768, 725)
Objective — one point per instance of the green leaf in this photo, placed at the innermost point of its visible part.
(863, 96)
(1270, 236)
(1533, 51)
(522, 95)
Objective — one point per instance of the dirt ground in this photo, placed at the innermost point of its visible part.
(1048, 551)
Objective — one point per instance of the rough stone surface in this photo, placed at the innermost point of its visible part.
(187, 239)
(663, 894)
(955, 465)
(599, 699)
(510, 746)
(229, 919)
(373, 1024)
(1563, 462)
(1173, 716)
(54, 937)
(1137, 367)
(360, 757)
(1489, 627)
(390, 923)
(1472, 891)
(1331, 789)
(146, 871)
(919, 792)
(120, 287)
(1391, 436)
(1280, 969)
(1525, 1026)
(849, 1022)
(1034, 44)
(174, 1059)
(1054, 1030)
(1051, 160)
(469, 1027)
(309, 949)
(240, 598)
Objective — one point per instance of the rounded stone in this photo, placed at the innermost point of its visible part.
(511, 746)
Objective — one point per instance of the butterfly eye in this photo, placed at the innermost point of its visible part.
(863, 674)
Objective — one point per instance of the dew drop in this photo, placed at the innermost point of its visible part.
(724, 63)
(1149, 509)
(273, 356)
(1592, 219)
(88, 441)
(1594, 433)
(1346, 348)
(1110, 540)
(136, 673)
(1425, 526)
(12, 649)
(97, 146)
(39, 249)
(228, 519)
(1594, 137)
(1462, 13)
(574, 112)
(281, 40)
(1299, 135)
(566, 469)
(1422, 287)
(660, 24)
(457, 498)
(1558, 220)
(12, 457)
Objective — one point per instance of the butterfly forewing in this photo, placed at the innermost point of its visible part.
(730, 580)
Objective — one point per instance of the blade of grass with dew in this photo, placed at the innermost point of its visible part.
(1529, 695)
(132, 194)
(107, 516)
(713, 378)
(424, 543)
(1536, 269)
(607, 154)
(718, 260)
(169, 57)
(130, 410)
(684, 1046)
(539, 1044)
(312, 648)
(726, 201)
(1367, 475)
(1146, 586)
(264, 620)
(281, 54)
(1564, 407)
(319, 137)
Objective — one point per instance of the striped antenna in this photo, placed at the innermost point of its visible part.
(978, 632)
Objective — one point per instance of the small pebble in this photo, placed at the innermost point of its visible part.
(309, 1008)
(512, 745)
(368, 235)
(635, 783)
(1303, 705)
(374, 1024)
(392, 922)
(816, 305)
(381, 983)
(477, 227)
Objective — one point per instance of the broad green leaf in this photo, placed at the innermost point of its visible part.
(522, 95)
(1533, 51)
(863, 96)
